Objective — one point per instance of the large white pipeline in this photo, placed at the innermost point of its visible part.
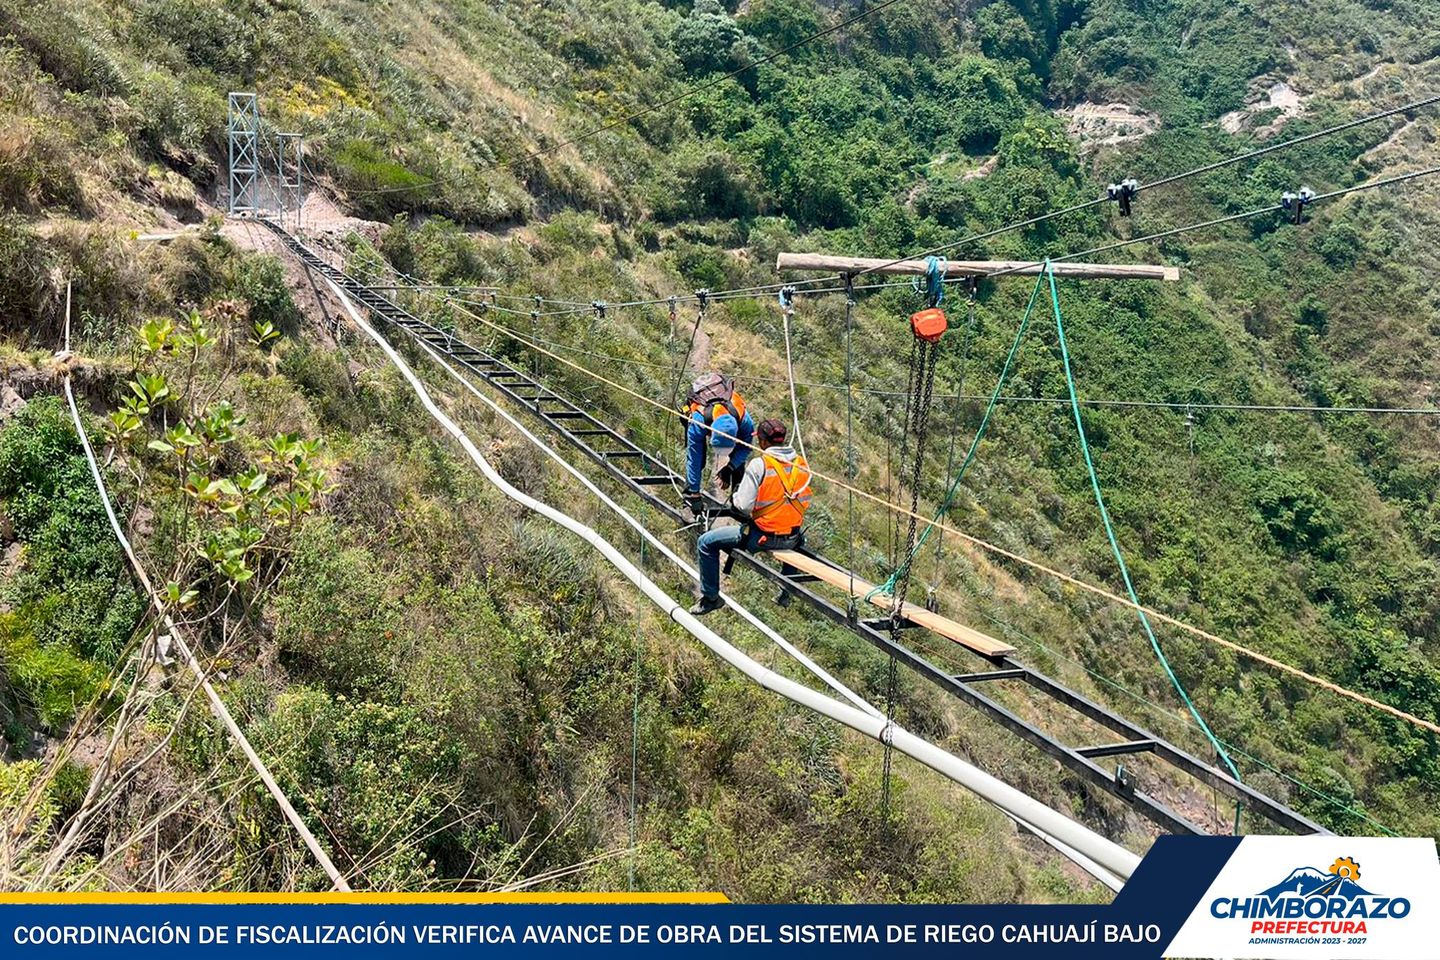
(765, 629)
(1037, 817)
(1090, 866)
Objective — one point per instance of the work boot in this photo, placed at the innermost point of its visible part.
(707, 605)
(783, 598)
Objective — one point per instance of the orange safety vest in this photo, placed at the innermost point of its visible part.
(735, 406)
(784, 495)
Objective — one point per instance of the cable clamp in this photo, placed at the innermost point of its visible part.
(787, 299)
(1124, 781)
(539, 301)
(1123, 193)
(599, 307)
(703, 297)
(1295, 203)
(673, 303)
(887, 733)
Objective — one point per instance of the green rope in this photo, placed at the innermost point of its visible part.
(888, 587)
(1110, 530)
(1163, 713)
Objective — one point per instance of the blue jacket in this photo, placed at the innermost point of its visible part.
(696, 435)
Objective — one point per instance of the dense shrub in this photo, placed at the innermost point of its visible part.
(74, 607)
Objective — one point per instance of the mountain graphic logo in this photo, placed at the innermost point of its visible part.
(1305, 882)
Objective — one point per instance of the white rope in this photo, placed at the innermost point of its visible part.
(1115, 863)
(789, 312)
(217, 705)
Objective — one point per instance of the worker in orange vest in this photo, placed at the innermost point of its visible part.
(770, 504)
(717, 419)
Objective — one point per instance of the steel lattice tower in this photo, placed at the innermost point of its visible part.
(244, 132)
(289, 157)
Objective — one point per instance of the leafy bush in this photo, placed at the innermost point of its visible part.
(261, 281)
(52, 678)
(709, 41)
(73, 594)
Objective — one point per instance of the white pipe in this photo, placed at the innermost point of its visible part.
(1090, 866)
(1027, 810)
(750, 618)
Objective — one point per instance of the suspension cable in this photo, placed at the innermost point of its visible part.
(1114, 861)
(1165, 181)
(997, 550)
(787, 314)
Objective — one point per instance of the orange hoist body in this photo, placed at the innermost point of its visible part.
(929, 324)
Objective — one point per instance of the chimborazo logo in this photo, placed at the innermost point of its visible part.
(1312, 901)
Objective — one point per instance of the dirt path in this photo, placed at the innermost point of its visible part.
(309, 291)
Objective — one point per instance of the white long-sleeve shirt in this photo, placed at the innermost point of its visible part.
(749, 489)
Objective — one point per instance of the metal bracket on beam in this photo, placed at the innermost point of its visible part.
(989, 675)
(887, 623)
(1116, 749)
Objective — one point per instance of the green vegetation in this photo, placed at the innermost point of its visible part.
(71, 611)
(449, 685)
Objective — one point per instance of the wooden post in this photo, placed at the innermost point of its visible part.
(974, 268)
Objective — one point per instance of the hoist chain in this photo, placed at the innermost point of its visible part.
(887, 735)
(927, 354)
(919, 394)
(851, 611)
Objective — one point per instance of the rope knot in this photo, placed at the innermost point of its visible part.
(934, 285)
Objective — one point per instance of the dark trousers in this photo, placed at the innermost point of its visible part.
(744, 537)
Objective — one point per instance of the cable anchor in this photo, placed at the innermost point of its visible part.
(1295, 203)
(1123, 193)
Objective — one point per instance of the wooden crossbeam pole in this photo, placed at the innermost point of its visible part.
(974, 268)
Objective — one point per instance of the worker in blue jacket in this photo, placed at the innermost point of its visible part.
(717, 418)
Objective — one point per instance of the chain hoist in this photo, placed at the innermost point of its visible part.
(928, 326)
